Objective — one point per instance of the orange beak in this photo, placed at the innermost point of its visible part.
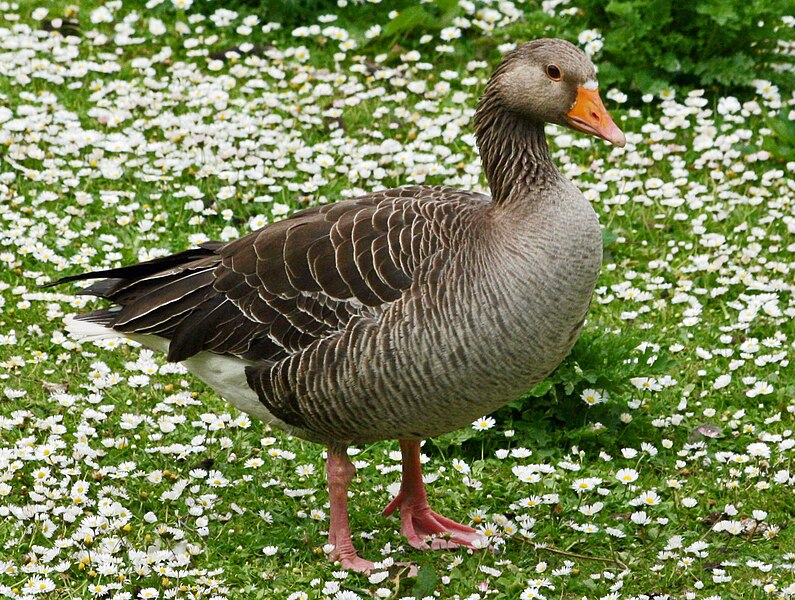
(589, 115)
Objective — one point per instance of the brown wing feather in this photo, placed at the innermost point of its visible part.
(278, 290)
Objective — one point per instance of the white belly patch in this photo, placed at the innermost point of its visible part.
(224, 374)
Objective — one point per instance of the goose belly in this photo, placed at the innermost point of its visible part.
(225, 374)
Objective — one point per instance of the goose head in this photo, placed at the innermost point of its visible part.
(553, 81)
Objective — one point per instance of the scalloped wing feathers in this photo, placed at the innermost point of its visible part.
(274, 292)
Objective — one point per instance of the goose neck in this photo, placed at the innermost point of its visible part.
(513, 151)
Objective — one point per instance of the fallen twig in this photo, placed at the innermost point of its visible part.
(573, 554)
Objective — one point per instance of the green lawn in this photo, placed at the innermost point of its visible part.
(657, 461)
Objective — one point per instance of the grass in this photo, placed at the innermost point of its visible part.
(123, 477)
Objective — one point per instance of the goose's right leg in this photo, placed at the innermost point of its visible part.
(424, 528)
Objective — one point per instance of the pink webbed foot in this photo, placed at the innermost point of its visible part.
(345, 555)
(423, 528)
(351, 561)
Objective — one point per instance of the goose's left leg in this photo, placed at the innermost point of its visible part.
(424, 528)
(339, 472)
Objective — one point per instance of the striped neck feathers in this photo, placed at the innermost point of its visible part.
(513, 149)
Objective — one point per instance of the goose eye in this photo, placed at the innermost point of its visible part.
(553, 72)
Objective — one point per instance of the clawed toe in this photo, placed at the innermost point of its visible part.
(360, 565)
(427, 530)
(355, 563)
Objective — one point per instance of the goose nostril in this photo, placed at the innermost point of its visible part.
(595, 116)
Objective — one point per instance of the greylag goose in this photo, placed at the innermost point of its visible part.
(405, 313)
